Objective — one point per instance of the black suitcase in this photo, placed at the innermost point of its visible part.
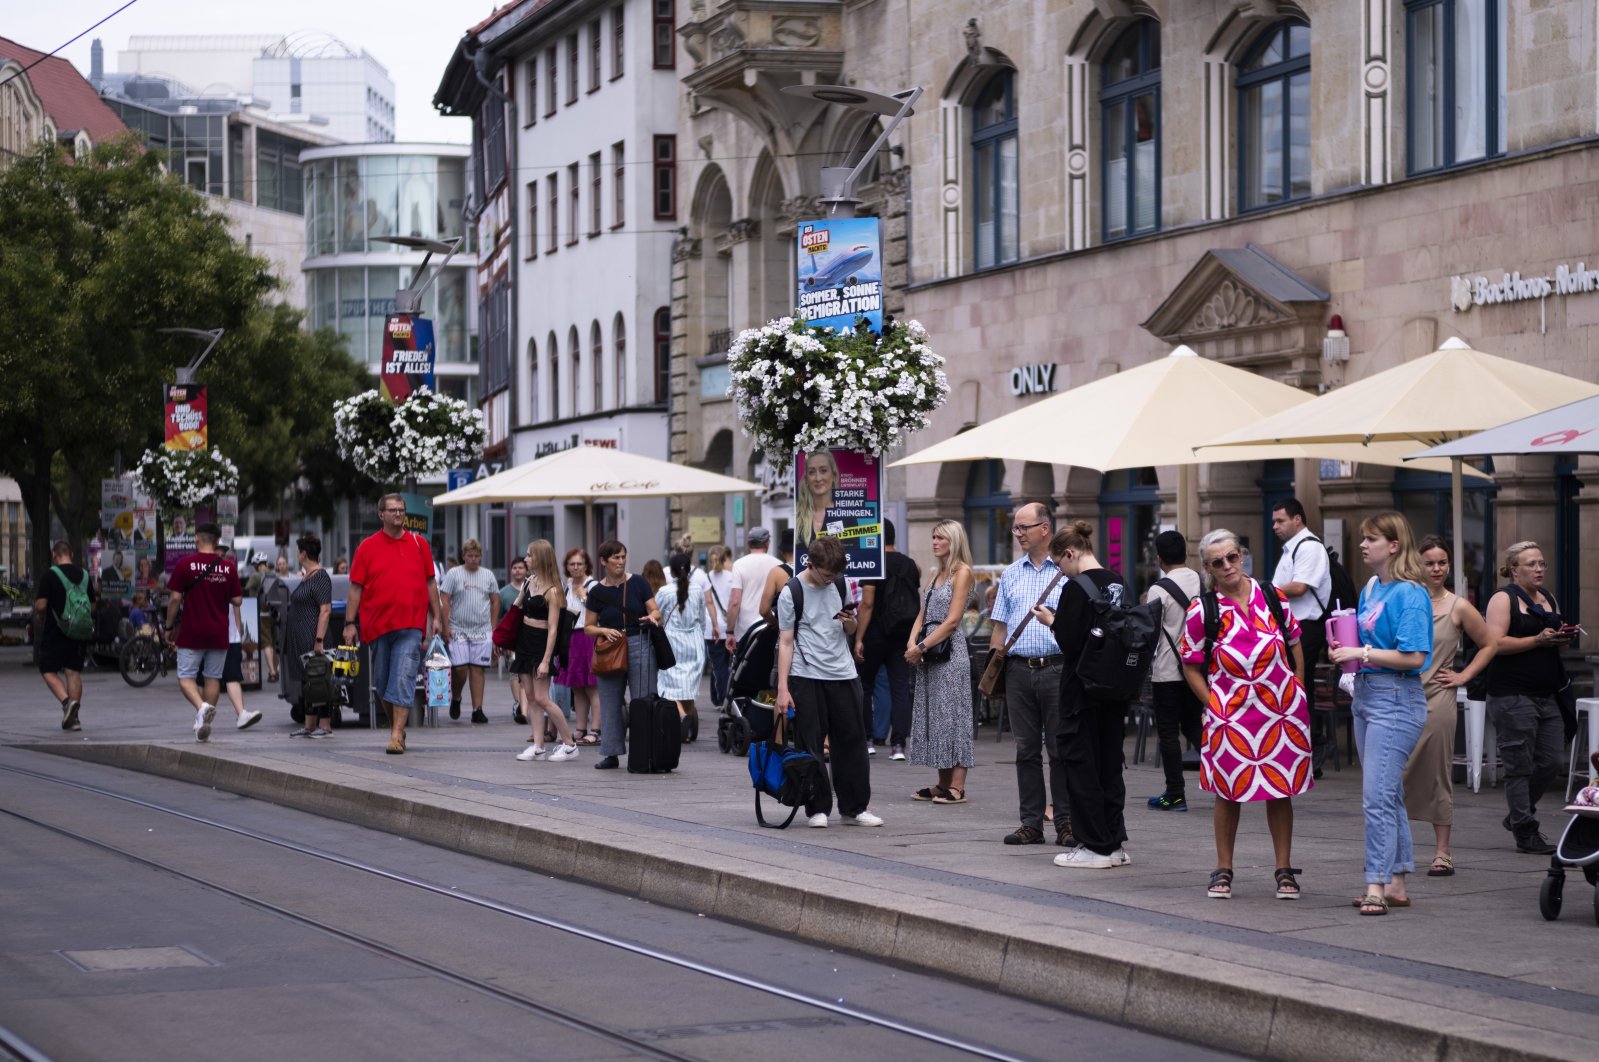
(654, 736)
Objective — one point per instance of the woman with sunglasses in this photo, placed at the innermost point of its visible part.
(1241, 657)
(1389, 707)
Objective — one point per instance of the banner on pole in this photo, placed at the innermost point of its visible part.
(840, 493)
(185, 417)
(840, 273)
(408, 353)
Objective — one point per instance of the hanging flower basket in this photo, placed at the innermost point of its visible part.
(801, 389)
(426, 435)
(182, 479)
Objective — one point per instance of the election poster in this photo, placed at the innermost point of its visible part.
(840, 273)
(185, 417)
(178, 538)
(408, 353)
(116, 536)
(840, 493)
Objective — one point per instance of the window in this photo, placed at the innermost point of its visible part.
(663, 355)
(594, 55)
(571, 69)
(988, 511)
(1129, 103)
(551, 81)
(619, 344)
(552, 187)
(533, 219)
(597, 365)
(574, 192)
(1274, 118)
(1456, 100)
(618, 186)
(533, 381)
(994, 158)
(665, 31)
(531, 104)
(1128, 503)
(596, 196)
(665, 175)
(555, 376)
(618, 43)
(572, 363)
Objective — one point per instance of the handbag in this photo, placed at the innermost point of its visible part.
(665, 657)
(992, 684)
(506, 630)
(792, 778)
(610, 654)
(438, 674)
(935, 654)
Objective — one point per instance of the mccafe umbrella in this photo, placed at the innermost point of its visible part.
(590, 474)
(1570, 429)
(1453, 391)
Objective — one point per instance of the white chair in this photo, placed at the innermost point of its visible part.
(1481, 738)
(1584, 768)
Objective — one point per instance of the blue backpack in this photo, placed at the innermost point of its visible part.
(790, 777)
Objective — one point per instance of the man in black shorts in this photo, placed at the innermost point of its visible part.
(60, 656)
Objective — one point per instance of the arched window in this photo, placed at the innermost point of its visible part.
(988, 511)
(1274, 118)
(574, 357)
(1455, 79)
(663, 355)
(1129, 104)
(996, 168)
(619, 345)
(597, 365)
(533, 381)
(553, 349)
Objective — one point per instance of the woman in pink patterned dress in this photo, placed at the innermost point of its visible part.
(1247, 669)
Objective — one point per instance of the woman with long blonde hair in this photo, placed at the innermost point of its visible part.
(941, 704)
(1390, 707)
(541, 600)
(814, 496)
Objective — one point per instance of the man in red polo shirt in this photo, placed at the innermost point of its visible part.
(394, 607)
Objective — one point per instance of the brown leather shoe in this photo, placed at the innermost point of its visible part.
(1025, 835)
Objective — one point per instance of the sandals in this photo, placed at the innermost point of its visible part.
(1371, 905)
(1221, 884)
(952, 795)
(1359, 900)
(1442, 867)
(932, 792)
(1287, 884)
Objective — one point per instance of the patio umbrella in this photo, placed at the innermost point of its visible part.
(1154, 414)
(590, 474)
(1571, 429)
(1453, 391)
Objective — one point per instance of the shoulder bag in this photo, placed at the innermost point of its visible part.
(937, 654)
(610, 654)
(510, 625)
(992, 684)
(665, 658)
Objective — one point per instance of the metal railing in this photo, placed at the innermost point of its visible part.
(719, 341)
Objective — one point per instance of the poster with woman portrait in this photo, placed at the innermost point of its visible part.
(840, 493)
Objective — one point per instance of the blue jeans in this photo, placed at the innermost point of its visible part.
(638, 681)
(396, 658)
(1390, 710)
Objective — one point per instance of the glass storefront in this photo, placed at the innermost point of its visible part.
(353, 200)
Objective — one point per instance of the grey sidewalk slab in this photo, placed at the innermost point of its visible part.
(1472, 970)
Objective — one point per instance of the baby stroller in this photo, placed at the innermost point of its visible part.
(1578, 847)
(746, 715)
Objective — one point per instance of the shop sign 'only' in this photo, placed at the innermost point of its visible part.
(1032, 379)
(1468, 291)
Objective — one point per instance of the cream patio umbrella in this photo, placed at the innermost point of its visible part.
(590, 474)
(1153, 414)
(1451, 392)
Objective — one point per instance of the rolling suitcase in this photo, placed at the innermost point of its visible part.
(654, 736)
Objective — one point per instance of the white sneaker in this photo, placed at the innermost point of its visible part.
(247, 720)
(565, 752)
(897, 753)
(817, 821)
(871, 749)
(1120, 858)
(865, 818)
(202, 721)
(532, 752)
(1081, 858)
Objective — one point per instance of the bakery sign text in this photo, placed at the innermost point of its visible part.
(1468, 291)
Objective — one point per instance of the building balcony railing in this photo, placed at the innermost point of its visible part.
(719, 341)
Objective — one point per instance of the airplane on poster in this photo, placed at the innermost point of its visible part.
(841, 269)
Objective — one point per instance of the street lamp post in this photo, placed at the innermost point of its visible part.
(409, 300)
(186, 373)
(838, 182)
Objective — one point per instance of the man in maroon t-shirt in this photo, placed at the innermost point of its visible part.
(208, 584)
(394, 607)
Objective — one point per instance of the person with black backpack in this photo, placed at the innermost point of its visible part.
(1305, 576)
(1178, 712)
(888, 609)
(63, 625)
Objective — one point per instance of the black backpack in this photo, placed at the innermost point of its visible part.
(317, 689)
(1344, 594)
(898, 598)
(1169, 585)
(1210, 608)
(1120, 647)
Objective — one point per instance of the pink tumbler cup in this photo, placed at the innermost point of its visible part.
(1344, 628)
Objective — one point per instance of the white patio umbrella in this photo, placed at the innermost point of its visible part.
(1453, 391)
(1153, 414)
(590, 474)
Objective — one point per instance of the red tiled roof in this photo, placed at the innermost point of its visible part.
(71, 101)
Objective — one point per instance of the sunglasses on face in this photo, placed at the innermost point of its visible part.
(1229, 561)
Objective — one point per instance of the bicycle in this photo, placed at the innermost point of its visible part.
(143, 657)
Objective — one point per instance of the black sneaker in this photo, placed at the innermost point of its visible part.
(69, 716)
(455, 709)
(607, 763)
(518, 718)
(1534, 843)
(1169, 802)
(478, 716)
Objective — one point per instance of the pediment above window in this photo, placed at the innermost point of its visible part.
(1243, 307)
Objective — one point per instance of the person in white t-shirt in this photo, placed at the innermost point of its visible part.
(749, 579)
(1304, 575)
(718, 595)
(1178, 713)
(470, 600)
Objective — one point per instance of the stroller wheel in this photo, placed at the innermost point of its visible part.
(723, 742)
(741, 738)
(1549, 897)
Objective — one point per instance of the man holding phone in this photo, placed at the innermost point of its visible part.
(818, 684)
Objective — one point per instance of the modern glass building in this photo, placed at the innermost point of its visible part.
(356, 193)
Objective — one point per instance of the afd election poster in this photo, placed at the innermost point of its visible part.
(840, 273)
(185, 417)
(408, 353)
(840, 493)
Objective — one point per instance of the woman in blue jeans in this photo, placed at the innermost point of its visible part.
(1390, 708)
(617, 607)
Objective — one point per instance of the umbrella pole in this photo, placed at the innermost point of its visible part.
(1457, 513)
(1184, 513)
(588, 524)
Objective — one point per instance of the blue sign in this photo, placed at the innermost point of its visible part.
(459, 477)
(840, 273)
